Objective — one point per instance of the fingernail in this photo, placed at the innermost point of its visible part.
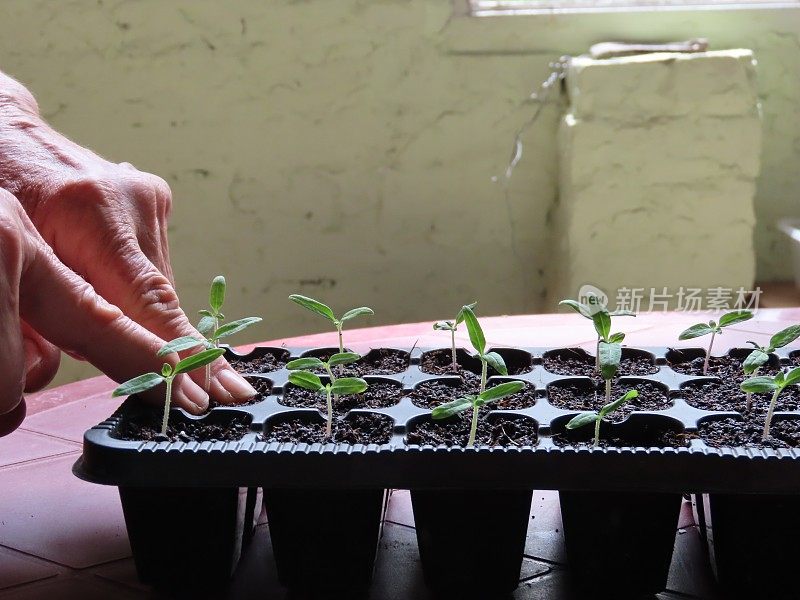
(235, 385)
(195, 394)
(32, 355)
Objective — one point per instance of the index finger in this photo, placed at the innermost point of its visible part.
(68, 312)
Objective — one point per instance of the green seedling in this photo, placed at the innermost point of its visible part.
(764, 383)
(452, 327)
(596, 417)
(448, 409)
(210, 327)
(478, 341)
(714, 328)
(609, 355)
(168, 374)
(760, 355)
(303, 378)
(325, 310)
(601, 318)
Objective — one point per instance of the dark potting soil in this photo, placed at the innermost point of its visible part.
(440, 362)
(355, 429)
(661, 439)
(747, 432)
(381, 394)
(579, 398)
(726, 396)
(725, 367)
(579, 365)
(262, 364)
(430, 394)
(262, 386)
(146, 426)
(379, 361)
(493, 430)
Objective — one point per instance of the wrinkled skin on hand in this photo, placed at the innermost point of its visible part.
(102, 229)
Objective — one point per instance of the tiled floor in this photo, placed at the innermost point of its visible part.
(63, 539)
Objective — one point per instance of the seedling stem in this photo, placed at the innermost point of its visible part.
(167, 376)
(596, 417)
(714, 328)
(452, 327)
(600, 316)
(775, 385)
(478, 341)
(303, 378)
(209, 324)
(760, 355)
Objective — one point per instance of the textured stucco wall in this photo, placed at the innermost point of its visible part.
(659, 156)
(346, 149)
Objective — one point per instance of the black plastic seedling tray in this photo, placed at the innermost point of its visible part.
(623, 487)
(252, 461)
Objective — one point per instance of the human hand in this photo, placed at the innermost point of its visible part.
(106, 222)
(41, 294)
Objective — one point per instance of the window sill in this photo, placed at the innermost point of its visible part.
(555, 32)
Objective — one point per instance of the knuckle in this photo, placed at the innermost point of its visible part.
(157, 301)
(12, 239)
(86, 189)
(93, 305)
(157, 192)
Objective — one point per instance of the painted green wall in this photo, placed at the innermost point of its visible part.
(347, 149)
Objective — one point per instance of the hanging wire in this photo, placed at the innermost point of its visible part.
(541, 96)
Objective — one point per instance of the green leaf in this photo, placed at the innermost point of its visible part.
(343, 358)
(501, 390)
(349, 385)
(205, 313)
(460, 315)
(448, 409)
(216, 296)
(784, 337)
(138, 384)
(578, 307)
(758, 385)
(443, 326)
(754, 360)
(602, 324)
(306, 380)
(612, 406)
(792, 377)
(354, 312)
(581, 420)
(696, 331)
(235, 327)
(314, 306)
(735, 317)
(166, 369)
(201, 359)
(474, 329)
(178, 344)
(307, 362)
(206, 325)
(494, 360)
(610, 355)
(616, 338)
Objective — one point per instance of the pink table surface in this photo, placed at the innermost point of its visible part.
(56, 528)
